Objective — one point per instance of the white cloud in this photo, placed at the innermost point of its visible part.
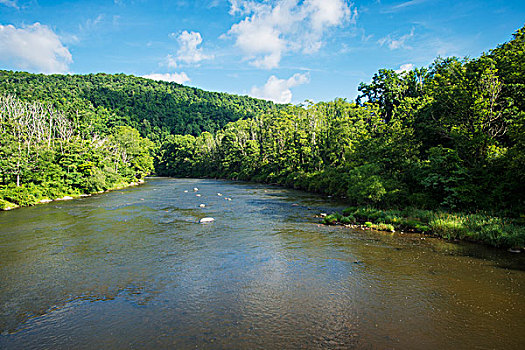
(405, 68)
(179, 78)
(398, 43)
(273, 28)
(278, 90)
(189, 52)
(9, 3)
(170, 61)
(34, 47)
(328, 12)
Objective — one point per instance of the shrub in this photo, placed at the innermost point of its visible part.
(384, 227)
(330, 220)
(24, 195)
(347, 220)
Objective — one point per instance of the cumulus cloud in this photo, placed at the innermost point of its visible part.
(34, 47)
(189, 52)
(405, 68)
(273, 28)
(179, 78)
(328, 13)
(278, 90)
(396, 43)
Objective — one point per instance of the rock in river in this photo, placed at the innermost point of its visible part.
(206, 220)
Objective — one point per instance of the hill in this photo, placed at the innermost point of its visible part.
(155, 108)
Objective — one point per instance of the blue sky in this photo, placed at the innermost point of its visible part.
(283, 50)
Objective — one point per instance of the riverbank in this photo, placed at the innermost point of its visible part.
(480, 227)
(25, 196)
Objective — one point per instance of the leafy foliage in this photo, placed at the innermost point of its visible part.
(155, 108)
(43, 156)
(449, 136)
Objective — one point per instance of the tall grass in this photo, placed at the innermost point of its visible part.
(478, 227)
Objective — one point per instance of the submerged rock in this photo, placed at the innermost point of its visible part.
(206, 220)
(219, 194)
(197, 195)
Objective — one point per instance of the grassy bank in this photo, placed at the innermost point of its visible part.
(479, 227)
(12, 197)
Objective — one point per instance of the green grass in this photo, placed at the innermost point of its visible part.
(478, 227)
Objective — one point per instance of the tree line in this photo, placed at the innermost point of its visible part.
(43, 155)
(451, 135)
(74, 134)
(155, 108)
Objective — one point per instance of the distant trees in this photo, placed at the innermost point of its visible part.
(155, 108)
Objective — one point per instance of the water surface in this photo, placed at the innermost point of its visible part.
(134, 269)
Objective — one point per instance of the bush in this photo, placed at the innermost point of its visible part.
(384, 227)
(24, 195)
(5, 204)
(347, 220)
(330, 220)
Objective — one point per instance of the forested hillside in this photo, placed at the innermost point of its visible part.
(76, 134)
(155, 108)
(448, 136)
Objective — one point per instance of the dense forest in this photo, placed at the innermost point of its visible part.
(450, 136)
(43, 155)
(76, 134)
(155, 108)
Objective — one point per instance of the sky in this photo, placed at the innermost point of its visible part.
(287, 51)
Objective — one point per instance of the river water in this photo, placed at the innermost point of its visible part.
(134, 269)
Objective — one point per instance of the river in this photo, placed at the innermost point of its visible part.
(134, 269)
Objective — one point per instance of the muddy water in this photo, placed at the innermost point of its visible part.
(134, 269)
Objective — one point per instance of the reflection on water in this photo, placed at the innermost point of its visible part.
(133, 268)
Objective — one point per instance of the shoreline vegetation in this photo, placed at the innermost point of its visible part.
(480, 227)
(47, 154)
(6, 205)
(448, 139)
